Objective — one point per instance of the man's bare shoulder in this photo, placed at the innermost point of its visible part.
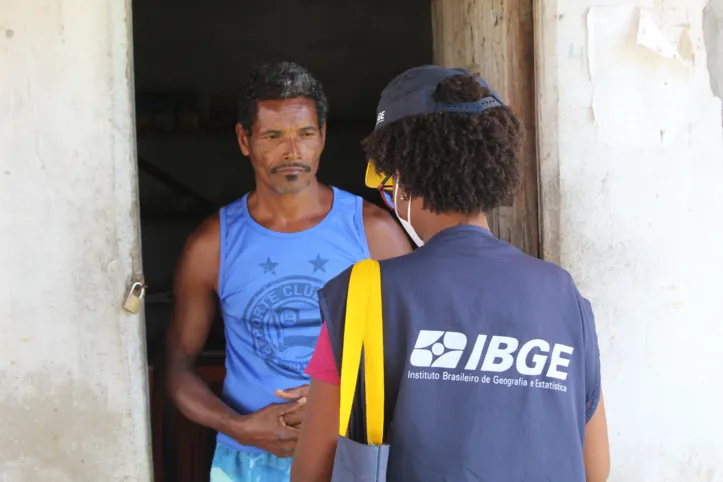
(201, 254)
(207, 235)
(385, 237)
(377, 217)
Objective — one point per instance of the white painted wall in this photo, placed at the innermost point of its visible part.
(632, 193)
(72, 363)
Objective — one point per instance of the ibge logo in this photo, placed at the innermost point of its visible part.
(438, 349)
(380, 117)
(534, 358)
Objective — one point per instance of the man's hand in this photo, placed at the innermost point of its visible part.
(267, 430)
(295, 417)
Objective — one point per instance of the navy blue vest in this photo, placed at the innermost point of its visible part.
(491, 362)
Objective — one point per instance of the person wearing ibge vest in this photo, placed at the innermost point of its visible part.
(491, 365)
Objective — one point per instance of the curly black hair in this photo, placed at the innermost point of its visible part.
(456, 162)
(277, 81)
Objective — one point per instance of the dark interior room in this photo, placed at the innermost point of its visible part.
(190, 59)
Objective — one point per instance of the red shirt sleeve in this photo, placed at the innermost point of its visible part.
(322, 365)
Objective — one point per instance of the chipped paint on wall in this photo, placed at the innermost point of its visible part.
(713, 34)
(627, 39)
(631, 177)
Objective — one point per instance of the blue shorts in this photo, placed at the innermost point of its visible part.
(230, 465)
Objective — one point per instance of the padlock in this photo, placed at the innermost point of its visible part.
(135, 298)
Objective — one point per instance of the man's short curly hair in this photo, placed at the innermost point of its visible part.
(456, 162)
(278, 81)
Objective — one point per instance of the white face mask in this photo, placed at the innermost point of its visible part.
(406, 224)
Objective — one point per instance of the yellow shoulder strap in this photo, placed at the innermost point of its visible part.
(354, 330)
(363, 327)
(374, 359)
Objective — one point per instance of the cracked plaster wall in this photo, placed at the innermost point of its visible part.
(72, 363)
(632, 196)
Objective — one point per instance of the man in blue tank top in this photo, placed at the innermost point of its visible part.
(266, 255)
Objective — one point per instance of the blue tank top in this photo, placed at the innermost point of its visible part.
(268, 283)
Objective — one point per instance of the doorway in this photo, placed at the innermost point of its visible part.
(190, 60)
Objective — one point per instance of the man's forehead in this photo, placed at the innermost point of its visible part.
(297, 108)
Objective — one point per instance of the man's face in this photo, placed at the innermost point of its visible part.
(285, 144)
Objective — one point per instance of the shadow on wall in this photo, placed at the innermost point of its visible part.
(713, 34)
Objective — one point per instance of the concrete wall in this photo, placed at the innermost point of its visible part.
(72, 363)
(632, 197)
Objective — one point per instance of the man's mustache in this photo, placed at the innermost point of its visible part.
(292, 165)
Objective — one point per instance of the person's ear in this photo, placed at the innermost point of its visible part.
(401, 192)
(243, 140)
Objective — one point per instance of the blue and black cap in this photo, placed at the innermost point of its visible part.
(411, 93)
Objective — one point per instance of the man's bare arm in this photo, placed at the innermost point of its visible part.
(314, 457)
(193, 312)
(596, 449)
(194, 308)
(385, 237)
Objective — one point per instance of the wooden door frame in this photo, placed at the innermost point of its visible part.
(547, 114)
(497, 40)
